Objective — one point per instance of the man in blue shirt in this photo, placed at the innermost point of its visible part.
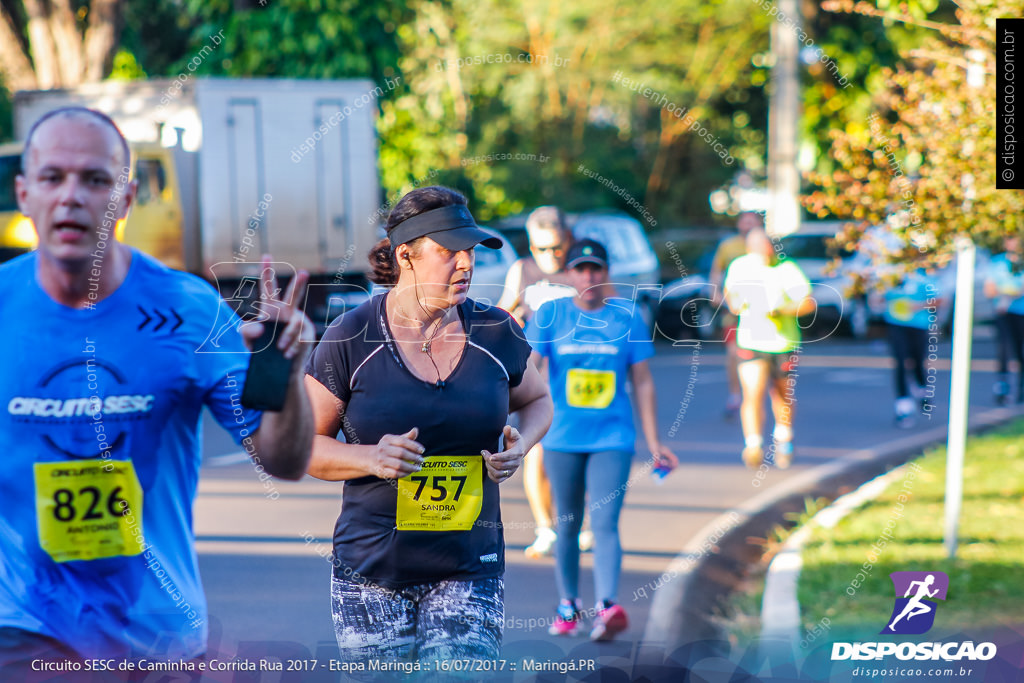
(109, 364)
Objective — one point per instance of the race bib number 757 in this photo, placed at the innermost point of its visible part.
(88, 509)
(446, 495)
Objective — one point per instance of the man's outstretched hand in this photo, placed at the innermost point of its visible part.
(297, 333)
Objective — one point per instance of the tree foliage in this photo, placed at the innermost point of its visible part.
(488, 80)
(923, 161)
(862, 47)
(481, 82)
(299, 38)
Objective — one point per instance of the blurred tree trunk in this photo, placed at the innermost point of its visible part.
(45, 44)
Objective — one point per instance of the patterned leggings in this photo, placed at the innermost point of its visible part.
(445, 620)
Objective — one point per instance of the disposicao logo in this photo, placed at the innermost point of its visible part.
(913, 614)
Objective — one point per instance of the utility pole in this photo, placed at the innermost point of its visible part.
(963, 328)
(783, 112)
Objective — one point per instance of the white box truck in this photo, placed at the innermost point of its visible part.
(230, 168)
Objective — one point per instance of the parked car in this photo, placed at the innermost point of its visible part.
(810, 248)
(856, 314)
(214, 189)
(633, 263)
(632, 260)
(513, 231)
(15, 229)
(489, 271)
(688, 308)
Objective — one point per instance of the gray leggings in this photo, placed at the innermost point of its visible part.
(445, 620)
(604, 476)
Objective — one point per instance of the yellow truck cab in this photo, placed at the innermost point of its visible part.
(16, 232)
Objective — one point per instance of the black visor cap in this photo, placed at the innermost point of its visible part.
(452, 227)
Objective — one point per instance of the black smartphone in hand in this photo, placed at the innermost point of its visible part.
(266, 384)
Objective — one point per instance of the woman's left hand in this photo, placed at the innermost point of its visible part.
(501, 466)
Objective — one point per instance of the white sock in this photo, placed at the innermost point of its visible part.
(754, 441)
(783, 433)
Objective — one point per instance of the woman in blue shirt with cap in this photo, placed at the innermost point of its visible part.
(591, 345)
(421, 381)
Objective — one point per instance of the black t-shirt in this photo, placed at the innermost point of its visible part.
(359, 363)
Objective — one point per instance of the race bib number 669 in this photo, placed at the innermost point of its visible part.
(88, 509)
(589, 388)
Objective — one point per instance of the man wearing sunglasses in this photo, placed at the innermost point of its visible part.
(532, 281)
(541, 276)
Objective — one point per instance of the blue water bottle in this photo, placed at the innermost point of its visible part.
(660, 471)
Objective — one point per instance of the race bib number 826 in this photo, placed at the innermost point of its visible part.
(88, 509)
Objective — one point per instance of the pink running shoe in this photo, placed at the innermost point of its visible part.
(567, 619)
(611, 619)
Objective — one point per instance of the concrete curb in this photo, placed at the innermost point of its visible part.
(780, 609)
(717, 558)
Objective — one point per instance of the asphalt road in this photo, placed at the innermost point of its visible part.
(268, 588)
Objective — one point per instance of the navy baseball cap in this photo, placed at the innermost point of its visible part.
(587, 251)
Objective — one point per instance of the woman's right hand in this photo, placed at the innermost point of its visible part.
(397, 455)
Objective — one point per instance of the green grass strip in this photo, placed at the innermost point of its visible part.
(845, 578)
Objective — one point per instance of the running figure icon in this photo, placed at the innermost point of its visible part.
(915, 607)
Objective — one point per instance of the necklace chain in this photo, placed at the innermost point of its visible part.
(438, 325)
(425, 343)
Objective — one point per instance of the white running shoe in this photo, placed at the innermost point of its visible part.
(543, 544)
(905, 409)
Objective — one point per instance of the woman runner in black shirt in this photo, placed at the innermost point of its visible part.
(421, 381)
